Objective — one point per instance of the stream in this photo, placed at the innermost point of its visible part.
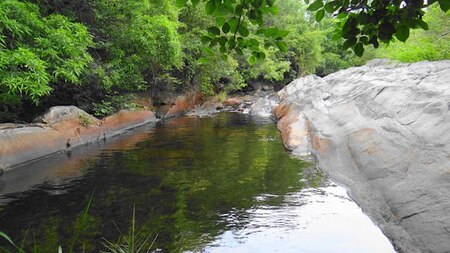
(212, 184)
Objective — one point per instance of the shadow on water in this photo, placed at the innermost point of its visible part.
(220, 184)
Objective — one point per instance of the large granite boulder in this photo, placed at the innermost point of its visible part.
(57, 114)
(383, 130)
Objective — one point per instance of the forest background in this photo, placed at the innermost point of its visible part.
(97, 54)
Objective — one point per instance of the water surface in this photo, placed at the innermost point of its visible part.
(220, 184)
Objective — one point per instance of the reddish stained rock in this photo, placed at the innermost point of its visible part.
(27, 143)
(281, 110)
(233, 101)
(181, 105)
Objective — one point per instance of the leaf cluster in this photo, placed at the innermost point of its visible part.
(369, 22)
(37, 51)
(235, 20)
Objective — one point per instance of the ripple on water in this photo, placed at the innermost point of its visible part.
(312, 220)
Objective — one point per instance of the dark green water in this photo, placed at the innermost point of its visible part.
(197, 184)
(182, 178)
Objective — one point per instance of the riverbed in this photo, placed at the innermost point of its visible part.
(212, 184)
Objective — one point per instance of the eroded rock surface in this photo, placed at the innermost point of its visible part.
(384, 131)
(61, 129)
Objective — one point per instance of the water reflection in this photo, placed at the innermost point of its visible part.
(210, 184)
(312, 220)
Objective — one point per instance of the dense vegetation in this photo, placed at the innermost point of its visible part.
(94, 53)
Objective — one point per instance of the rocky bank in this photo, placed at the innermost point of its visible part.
(383, 130)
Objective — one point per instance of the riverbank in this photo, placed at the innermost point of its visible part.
(63, 128)
(383, 131)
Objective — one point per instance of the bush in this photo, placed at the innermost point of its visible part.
(36, 52)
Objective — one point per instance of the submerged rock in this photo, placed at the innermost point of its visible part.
(384, 131)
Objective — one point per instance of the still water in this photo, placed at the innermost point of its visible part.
(219, 184)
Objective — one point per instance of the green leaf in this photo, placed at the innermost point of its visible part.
(239, 9)
(282, 33)
(213, 30)
(210, 7)
(349, 43)
(262, 56)
(270, 2)
(6, 237)
(226, 27)
(358, 49)
(220, 21)
(315, 6)
(282, 46)
(331, 7)
(373, 40)
(223, 40)
(386, 30)
(402, 33)
(205, 39)
(320, 14)
(233, 24)
(252, 60)
(243, 30)
(422, 24)
(181, 3)
(444, 4)
(202, 60)
(254, 42)
(274, 10)
(271, 32)
(336, 36)
(257, 3)
(261, 31)
(363, 18)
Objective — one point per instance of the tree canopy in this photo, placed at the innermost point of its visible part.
(36, 50)
(96, 54)
(362, 22)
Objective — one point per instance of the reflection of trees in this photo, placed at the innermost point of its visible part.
(187, 181)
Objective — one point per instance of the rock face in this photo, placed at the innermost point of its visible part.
(264, 104)
(383, 130)
(179, 106)
(63, 129)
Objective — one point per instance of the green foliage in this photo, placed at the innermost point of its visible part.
(103, 109)
(81, 225)
(220, 74)
(36, 52)
(367, 22)
(113, 104)
(430, 44)
(272, 68)
(205, 70)
(140, 39)
(85, 119)
(134, 242)
(234, 20)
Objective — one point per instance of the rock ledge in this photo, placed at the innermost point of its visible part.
(383, 130)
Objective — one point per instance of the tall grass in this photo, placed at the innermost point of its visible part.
(134, 242)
